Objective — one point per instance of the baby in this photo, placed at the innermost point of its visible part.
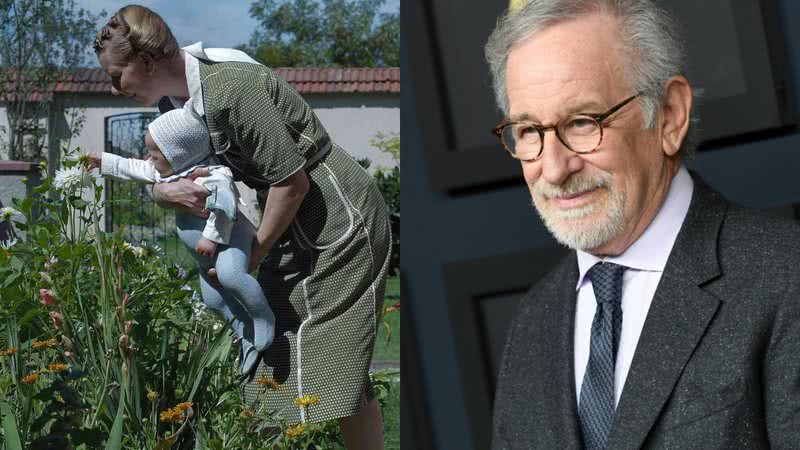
(178, 143)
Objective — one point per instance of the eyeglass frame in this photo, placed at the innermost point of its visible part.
(541, 129)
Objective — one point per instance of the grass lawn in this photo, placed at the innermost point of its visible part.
(391, 419)
(389, 351)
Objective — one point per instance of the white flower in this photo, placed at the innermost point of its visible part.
(7, 213)
(72, 178)
(78, 155)
(137, 251)
(8, 244)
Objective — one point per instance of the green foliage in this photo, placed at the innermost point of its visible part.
(99, 338)
(388, 180)
(388, 143)
(330, 33)
(39, 41)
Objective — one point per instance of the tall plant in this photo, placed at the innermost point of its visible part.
(103, 344)
(99, 338)
(388, 180)
(40, 42)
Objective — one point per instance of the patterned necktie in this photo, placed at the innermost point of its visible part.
(596, 407)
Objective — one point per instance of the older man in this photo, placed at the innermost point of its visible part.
(677, 322)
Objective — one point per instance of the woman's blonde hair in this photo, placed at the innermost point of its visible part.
(133, 29)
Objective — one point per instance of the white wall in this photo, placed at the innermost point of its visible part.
(351, 119)
(96, 108)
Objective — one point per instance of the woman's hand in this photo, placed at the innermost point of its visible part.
(183, 194)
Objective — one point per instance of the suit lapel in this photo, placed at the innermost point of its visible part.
(552, 384)
(568, 417)
(678, 318)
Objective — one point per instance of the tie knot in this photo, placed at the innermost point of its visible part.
(607, 281)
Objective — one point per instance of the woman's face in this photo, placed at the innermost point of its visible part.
(134, 78)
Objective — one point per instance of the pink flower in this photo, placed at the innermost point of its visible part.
(68, 354)
(48, 297)
(58, 319)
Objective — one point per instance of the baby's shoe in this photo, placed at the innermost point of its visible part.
(263, 329)
(248, 358)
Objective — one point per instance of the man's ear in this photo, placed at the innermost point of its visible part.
(148, 61)
(675, 114)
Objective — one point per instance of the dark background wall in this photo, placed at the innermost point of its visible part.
(495, 227)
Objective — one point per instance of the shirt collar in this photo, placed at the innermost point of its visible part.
(651, 251)
(190, 56)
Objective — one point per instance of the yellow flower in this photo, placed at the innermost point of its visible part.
(57, 367)
(50, 343)
(246, 413)
(30, 379)
(174, 414)
(268, 382)
(307, 400)
(10, 352)
(171, 415)
(295, 430)
(151, 395)
(183, 406)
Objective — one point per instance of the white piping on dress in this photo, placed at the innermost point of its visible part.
(300, 350)
(371, 256)
(303, 136)
(347, 206)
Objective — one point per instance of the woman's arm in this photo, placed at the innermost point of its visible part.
(183, 194)
(283, 201)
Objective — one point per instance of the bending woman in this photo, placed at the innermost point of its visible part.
(322, 248)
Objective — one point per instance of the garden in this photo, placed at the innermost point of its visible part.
(105, 343)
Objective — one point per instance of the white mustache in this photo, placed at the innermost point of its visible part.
(572, 186)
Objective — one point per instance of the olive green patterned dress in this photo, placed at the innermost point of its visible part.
(325, 277)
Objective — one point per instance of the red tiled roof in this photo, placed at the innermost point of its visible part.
(305, 80)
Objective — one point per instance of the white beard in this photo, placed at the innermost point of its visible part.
(570, 226)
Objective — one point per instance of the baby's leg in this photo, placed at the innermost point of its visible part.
(232, 261)
(214, 297)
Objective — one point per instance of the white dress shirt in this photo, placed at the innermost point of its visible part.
(645, 260)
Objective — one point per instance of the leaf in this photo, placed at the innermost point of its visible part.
(17, 264)
(166, 443)
(200, 436)
(115, 438)
(10, 432)
(10, 279)
(28, 318)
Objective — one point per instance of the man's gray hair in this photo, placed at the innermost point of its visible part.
(652, 37)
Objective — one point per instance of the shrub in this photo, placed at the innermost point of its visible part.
(103, 345)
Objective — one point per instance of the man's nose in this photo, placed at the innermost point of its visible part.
(558, 161)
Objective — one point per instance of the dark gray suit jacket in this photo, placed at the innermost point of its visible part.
(717, 365)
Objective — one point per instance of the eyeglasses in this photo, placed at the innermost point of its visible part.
(581, 133)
